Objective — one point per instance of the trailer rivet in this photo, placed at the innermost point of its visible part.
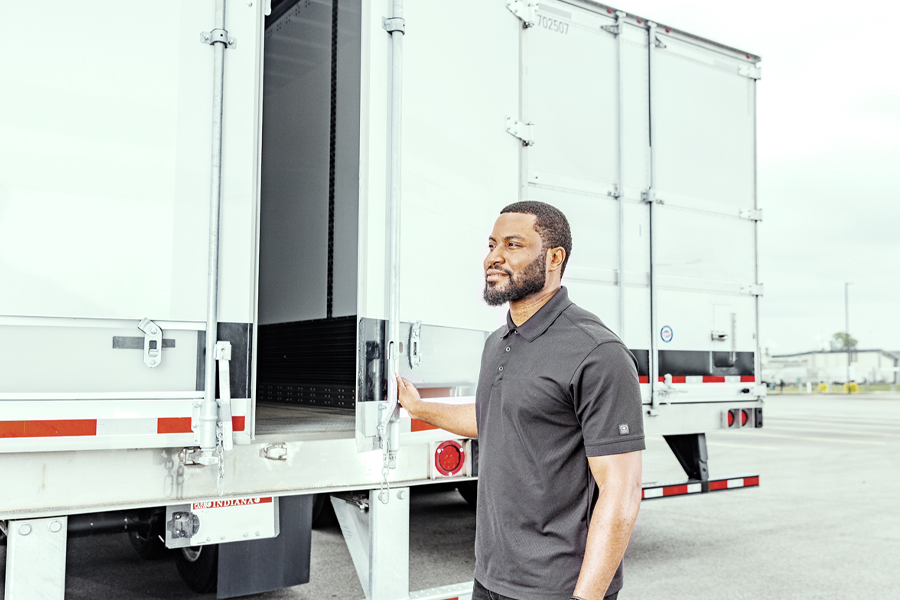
(25, 529)
(54, 526)
(246, 535)
(249, 4)
(257, 534)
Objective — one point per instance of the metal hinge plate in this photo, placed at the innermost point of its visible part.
(751, 71)
(523, 131)
(753, 289)
(526, 11)
(752, 214)
(217, 36)
(415, 345)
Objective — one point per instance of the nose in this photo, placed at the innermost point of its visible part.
(494, 257)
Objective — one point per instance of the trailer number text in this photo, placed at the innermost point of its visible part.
(554, 25)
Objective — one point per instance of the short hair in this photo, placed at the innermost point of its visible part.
(551, 225)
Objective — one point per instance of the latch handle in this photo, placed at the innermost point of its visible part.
(153, 342)
(226, 428)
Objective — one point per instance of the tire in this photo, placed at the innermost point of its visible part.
(147, 545)
(199, 567)
(469, 491)
(323, 512)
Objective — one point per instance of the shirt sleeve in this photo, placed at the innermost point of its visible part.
(607, 399)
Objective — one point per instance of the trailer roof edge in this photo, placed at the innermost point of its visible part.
(750, 56)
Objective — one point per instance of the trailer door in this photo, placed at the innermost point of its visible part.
(104, 211)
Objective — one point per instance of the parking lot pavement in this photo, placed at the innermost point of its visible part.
(822, 523)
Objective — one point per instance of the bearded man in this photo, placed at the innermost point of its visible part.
(559, 424)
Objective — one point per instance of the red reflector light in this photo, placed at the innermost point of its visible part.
(743, 418)
(449, 458)
(730, 418)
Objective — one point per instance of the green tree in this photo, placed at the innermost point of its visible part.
(843, 341)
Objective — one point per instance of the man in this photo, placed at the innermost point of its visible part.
(558, 402)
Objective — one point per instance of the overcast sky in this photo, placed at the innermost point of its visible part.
(829, 159)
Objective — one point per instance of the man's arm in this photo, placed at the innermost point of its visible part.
(619, 478)
(455, 418)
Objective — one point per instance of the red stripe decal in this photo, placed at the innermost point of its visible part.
(238, 423)
(12, 429)
(748, 378)
(643, 379)
(713, 379)
(748, 481)
(49, 428)
(718, 485)
(173, 425)
(674, 490)
(418, 425)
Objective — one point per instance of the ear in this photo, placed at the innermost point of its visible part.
(555, 258)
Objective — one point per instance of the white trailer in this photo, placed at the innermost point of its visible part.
(175, 169)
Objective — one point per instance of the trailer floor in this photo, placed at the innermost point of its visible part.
(822, 524)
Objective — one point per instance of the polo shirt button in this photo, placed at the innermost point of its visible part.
(501, 368)
(507, 348)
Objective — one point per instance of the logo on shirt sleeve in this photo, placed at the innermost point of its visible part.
(623, 429)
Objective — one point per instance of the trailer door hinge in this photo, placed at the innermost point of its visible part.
(153, 342)
(751, 71)
(523, 131)
(752, 214)
(526, 11)
(415, 345)
(649, 196)
(217, 36)
(392, 24)
(753, 289)
(614, 193)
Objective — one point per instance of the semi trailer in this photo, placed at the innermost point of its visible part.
(223, 225)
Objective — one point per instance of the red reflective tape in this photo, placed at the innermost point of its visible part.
(748, 378)
(12, 429)
(748, 481)
(173, 425)
(48, 428)
(418, 425)
(675, 379)
(643, 494)
(718, 485)
(238, 423)
(675, 490)
(643, 379)
(713, 379)
(61, 428)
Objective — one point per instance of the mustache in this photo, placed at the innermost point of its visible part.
(497, 268)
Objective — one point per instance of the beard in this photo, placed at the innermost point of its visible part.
(530, 281)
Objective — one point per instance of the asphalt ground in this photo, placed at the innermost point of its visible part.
(824, 522)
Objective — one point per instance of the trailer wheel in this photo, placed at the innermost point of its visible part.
(199, 567)
(323, 512)
(469, 491)
(147, 545)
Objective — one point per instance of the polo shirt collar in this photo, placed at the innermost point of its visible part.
(542, 319)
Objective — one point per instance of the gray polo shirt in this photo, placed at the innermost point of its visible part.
(557, 389)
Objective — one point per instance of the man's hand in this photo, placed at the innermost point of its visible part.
(455, 418)
(408, 396)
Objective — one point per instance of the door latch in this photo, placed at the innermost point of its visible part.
(153, 342)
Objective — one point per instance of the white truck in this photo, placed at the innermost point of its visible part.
(207, 269)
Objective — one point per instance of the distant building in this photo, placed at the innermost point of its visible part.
(830, 366)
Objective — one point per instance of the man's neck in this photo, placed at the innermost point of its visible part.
(522, 310)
